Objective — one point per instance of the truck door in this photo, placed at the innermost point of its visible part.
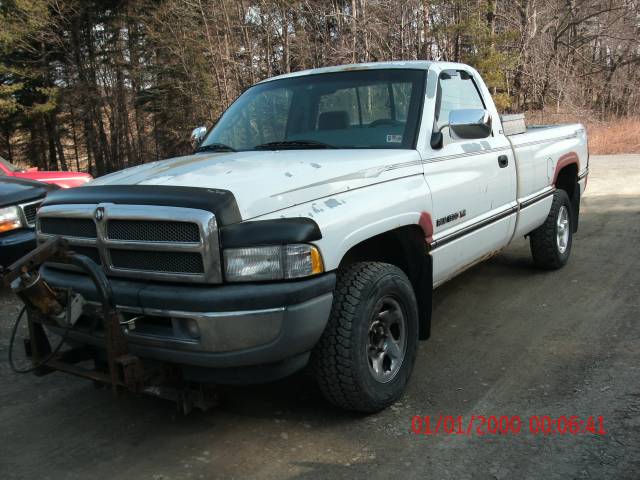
(472, 182)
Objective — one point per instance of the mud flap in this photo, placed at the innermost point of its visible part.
(425, 300)
(420, 273)
(575, 207)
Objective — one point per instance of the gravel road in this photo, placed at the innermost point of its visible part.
(507, 340)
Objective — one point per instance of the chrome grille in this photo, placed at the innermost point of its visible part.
(182, 262)
(29, 210)
(69, 227)
(153, 231)
(164, 243)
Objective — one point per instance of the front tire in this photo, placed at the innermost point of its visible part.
(551, 242)
(365, 356)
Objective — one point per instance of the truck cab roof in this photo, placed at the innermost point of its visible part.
(409, 64)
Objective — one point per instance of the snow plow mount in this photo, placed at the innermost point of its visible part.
(47, 306)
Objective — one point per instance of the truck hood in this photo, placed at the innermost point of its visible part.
(267, 181)
(16, 190)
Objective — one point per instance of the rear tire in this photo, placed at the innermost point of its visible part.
(551, 242)
(365, 356)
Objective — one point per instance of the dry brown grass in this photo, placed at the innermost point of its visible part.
(614, 136)
(617, 136)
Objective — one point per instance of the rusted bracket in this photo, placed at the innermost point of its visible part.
(52, 248)
(132, 372)
(45, 304)
(55, 307)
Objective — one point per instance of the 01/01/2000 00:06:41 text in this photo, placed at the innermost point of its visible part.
(507, 425)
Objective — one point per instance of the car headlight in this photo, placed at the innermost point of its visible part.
(275, 262)
(10, 219)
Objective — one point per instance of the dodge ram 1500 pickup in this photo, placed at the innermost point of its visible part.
(312, 223)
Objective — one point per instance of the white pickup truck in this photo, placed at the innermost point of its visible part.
(314, 220)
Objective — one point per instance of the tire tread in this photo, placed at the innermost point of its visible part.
(543, 239)
(332, 361)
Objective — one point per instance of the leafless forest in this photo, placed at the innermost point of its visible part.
(103, 85)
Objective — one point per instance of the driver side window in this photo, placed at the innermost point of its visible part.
(456, 91)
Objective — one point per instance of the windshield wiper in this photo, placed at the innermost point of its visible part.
(215, 147)
(292, 144)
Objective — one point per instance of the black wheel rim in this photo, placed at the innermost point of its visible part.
(387, 342)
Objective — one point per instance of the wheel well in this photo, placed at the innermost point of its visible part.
(567, 179)
(406, 248)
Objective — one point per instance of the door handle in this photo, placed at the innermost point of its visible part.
(503, 161)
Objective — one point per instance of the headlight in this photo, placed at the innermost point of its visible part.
(10, 219)
(271, 262)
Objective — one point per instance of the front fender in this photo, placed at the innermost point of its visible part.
(348, 218)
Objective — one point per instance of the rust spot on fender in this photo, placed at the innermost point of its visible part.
(563, 161)
(426, 224)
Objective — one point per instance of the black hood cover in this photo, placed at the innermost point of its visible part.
(221, 203)
(18, 190)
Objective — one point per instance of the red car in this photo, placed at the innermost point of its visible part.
(62, 179)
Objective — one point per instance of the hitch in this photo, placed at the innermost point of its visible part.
(62, 308)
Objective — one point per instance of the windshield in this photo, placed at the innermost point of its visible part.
(357, 109)
(9, 166)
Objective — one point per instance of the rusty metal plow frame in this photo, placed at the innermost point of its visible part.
(126, 372)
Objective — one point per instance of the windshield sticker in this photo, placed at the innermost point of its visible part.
(394, 138)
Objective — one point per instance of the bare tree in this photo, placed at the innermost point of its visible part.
(114, 84)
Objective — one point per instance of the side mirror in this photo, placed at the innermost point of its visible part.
(197, 135)
(469, 123)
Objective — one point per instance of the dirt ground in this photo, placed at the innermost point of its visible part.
(507, 340)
